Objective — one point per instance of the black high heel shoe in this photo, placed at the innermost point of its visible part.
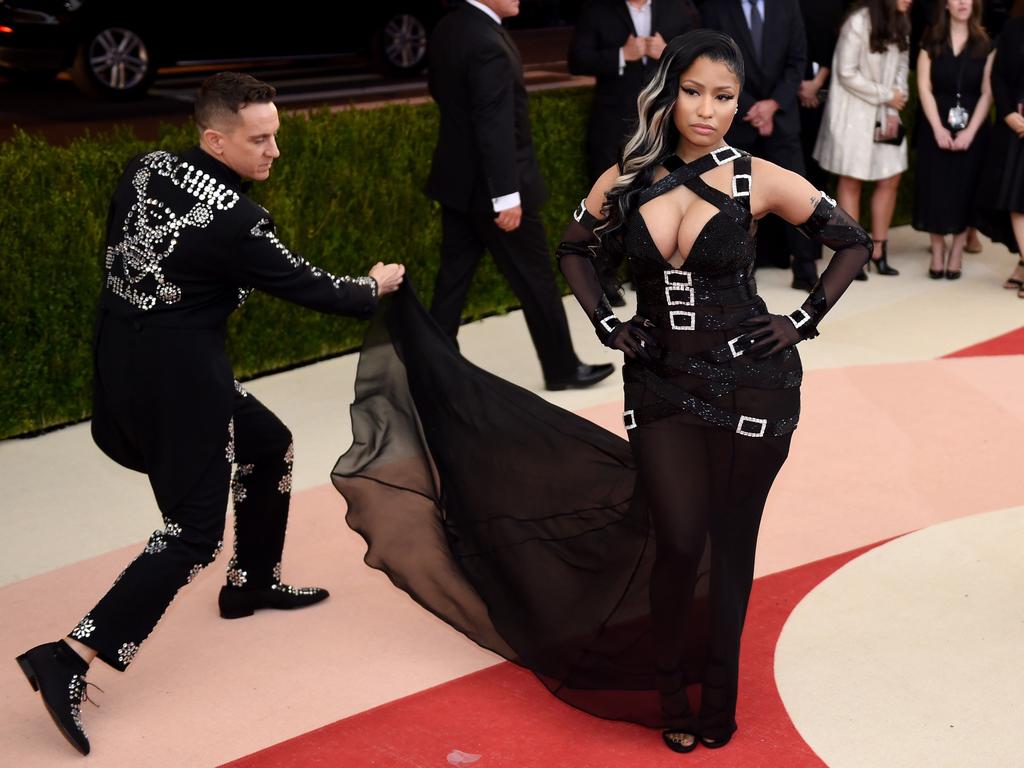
(715, 743)
(1012, 283)
(679, 740)
(675, 708)
(938, 274)
(58, 673)
(954, 274)
(881, 264)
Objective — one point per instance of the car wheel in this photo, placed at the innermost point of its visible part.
(114, 63)
(402, 43)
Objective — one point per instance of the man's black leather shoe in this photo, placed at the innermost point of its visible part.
(615, 298)
(584, 376)
(237, 602)
(58, 673)
(803, 284)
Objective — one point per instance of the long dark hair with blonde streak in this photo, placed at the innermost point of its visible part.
(656, 135)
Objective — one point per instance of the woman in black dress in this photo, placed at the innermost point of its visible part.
(953, 83)
(619, 573)
(1001, 209)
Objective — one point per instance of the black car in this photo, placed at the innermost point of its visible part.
(114, 48)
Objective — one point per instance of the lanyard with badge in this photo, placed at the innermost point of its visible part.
(958, 116)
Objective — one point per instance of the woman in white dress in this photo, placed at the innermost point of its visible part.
(861, 137)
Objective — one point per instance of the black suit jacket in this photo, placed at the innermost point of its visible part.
(163, 385)
(778, 76)
(822, 20)
(484, 147)
(601, 30)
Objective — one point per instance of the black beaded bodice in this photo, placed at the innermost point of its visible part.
(695, 350)
(725, 244)
(721, 259)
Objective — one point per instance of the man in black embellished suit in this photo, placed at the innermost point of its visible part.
(485, 175)
(185, 247)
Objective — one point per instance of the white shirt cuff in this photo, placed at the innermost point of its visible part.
(505, 202)
(622, 61)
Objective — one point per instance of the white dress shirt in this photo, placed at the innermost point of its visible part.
(485, 9)
(511, 200)
(641, 23)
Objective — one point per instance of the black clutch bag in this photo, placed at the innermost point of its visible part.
(896, 139)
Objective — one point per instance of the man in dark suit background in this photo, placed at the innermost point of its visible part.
(485, 175)
(620, 42)
(822, 20)
(770, 33)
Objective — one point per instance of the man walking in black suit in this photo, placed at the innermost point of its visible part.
(770, 33)
(485, 175)
(620, 42)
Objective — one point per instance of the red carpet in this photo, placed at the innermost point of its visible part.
(1011, 343)
(508, 718)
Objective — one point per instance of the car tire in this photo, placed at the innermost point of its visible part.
(401, 43)
(114, 62)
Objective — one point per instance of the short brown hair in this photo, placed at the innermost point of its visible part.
(222, 95)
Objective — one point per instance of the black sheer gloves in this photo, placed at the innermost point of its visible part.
(833, 227)
(576, 255)
(633, 339)
(771, 334)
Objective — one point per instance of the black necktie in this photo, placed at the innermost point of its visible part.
(756, 29)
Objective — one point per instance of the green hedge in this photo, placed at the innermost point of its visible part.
(347, 192)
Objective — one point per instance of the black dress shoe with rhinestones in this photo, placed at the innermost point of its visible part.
(237, 602)
(58, 673)
(583, 376)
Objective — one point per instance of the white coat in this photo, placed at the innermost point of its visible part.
(861, 83)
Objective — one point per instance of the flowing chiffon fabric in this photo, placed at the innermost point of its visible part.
(515, 521)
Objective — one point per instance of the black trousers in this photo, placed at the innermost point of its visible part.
(777, 239)
(716, 501)
(261, 447)
(523, 258)
(810, 124)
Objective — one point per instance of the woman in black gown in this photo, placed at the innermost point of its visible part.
(618, 573)
(953, 83)
(1000, 213)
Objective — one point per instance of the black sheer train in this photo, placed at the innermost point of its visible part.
(619, 573)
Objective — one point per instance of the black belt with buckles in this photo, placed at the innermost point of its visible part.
(673, 395)
(687, 320)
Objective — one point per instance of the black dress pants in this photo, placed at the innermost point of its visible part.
(261, 447)
(777, 239)
(523, 258)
